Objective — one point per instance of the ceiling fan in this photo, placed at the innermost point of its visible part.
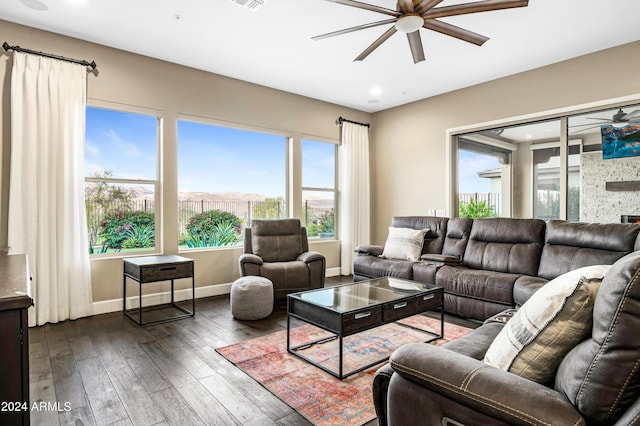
(411, 15)
(618, 119)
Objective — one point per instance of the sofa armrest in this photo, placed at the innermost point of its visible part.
(488, 390)
(310, 256)
(250, 258)
(525, 286)
(371, 250)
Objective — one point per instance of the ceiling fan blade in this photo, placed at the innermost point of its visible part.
(478, 6)
(632, 114)
(583, 130)
(366, 6)
(453, 31)
(606, 120)
(352, 29)
(425, 5)
(406, 6)
(415, 43)
(384, 37)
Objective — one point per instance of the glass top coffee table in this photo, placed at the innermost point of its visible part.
(353, 308)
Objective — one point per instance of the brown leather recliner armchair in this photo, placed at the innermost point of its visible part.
(279, 250)
(597, 382)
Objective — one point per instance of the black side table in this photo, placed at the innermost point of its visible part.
(153, 269)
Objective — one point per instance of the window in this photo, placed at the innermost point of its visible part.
(120, 180)
(319, 188)
(481, 169)
(226, 178)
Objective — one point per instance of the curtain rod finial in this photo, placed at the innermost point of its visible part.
(6, 46)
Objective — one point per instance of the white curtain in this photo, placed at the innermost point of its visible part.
(47, 218)
(355, 220)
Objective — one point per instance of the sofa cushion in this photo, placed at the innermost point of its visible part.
(572, 245)
(556, 318)
(505, 245)
(434, 238)
(277, 240)
(477, 284)
(600, 376)
(404, 243)
(457, 237)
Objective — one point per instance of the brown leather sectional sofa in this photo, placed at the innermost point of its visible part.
(489, 265)
(597, 381)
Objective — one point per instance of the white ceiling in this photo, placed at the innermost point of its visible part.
(272, 46)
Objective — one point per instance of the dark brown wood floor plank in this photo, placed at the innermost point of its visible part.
(82, 347)
(203, 403)
(267, 402)
(43, 391)
(294, 419)
(139, 405)
(81, 416)
(57, 341)
(68, 382)
(105, 403)
(149, 375)
(236, 402)
(175, 408)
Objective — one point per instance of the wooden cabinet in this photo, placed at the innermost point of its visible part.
(15, 299)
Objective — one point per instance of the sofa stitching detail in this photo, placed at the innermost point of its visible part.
(479, 398)
(465, 383)
(605, 345)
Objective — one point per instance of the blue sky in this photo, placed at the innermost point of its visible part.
(210, 158)
(469, 164)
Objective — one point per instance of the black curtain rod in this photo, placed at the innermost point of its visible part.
(341, 120)
(91, 64)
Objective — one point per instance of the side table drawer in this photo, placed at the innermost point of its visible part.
(166, 272)
(361, 319)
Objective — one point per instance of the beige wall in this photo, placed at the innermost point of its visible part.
(126, 78)
(409, 142)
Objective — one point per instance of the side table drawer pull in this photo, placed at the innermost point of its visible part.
(168, 268)
(400, 305)
(429, 297)
(363, 315)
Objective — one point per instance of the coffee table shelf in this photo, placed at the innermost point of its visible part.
(353, 308)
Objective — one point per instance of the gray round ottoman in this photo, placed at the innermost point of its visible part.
(251, 298)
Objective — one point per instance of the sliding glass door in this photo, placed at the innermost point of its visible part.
(581, 167)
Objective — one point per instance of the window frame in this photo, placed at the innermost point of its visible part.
(287, 138)
(333, 190)
(156, 183)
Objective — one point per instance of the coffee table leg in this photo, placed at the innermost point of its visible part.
(340, 358)
(288, 329)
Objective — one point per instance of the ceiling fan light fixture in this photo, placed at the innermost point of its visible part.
(409, 23)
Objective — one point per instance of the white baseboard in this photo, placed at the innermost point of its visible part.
(115, 305)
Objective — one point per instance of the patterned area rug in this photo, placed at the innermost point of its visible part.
(318, 396)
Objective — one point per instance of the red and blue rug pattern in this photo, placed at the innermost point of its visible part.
(318, 396)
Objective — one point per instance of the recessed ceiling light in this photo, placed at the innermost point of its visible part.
(375, 91)
(528, 136)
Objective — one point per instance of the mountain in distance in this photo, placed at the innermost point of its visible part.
(142, 193)
(225, 196)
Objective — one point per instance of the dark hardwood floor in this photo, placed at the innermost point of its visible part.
(110, 371)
